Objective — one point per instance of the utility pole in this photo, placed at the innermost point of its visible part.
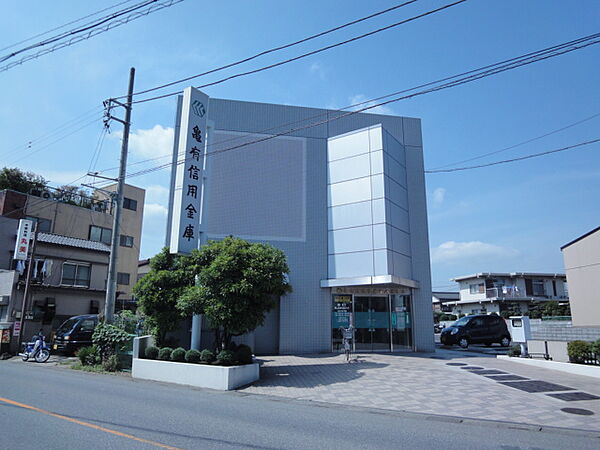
(27, 283)
(111, 285)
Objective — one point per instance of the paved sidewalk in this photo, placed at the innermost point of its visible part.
(428, 384)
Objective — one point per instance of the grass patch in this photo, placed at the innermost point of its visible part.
(95, 368)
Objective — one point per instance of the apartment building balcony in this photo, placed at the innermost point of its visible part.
(514, 293)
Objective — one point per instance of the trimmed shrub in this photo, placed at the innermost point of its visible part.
(596, 349)
(226, 358)
(178, 354)
(109, 338)
(192, 356)
(89, 356)
(579, 351)
(244, 354)
(206, 356)
(151, 352)
(164, 354)
(232, 347)
(111, 364)
(515, 350)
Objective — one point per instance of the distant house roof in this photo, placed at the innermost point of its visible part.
(143, 262)
(509, 275)
(441, 297)
(580, 238)
(57, 239)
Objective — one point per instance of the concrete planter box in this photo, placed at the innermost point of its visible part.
(199, 375)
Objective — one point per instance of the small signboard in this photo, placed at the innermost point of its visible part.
(189, 177)
(5, 338)
(24, 235)
(16, 329)
(342, 311)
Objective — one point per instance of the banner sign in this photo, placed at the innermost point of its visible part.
(17, 329)
(5, 338)
(373, 291)
(24, 235)
(342, 311)
(188, 187)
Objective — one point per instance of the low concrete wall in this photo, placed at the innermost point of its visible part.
(556, 349)
(140, 344)
(578, 369)
(199, 375)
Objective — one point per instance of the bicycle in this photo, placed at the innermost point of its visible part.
(347, 334)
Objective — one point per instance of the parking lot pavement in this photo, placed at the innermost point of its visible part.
(444, 383)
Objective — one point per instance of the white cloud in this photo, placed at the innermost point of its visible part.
(155, 209)
(151, 143)
(452, 251)
(360, 98)
(319, 70)
(156, 193)
(439, 194)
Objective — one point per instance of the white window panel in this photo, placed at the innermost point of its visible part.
(376, 138)
(378, 210)
(350, 191)
(348, 145)
(378, 186)
(351, 215)
(350, 240)
(380, 236)
(348, 169)
(351, 265)
(377, 162)
(380, 261)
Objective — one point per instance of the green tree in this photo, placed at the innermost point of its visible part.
(20, 181)
(238, 283)
(157, 292)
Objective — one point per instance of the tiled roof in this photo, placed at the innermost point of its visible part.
(72, 242)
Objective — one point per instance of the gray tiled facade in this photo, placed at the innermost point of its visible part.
(275, 191)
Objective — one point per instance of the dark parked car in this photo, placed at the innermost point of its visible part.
(74, 333)
(479, 329)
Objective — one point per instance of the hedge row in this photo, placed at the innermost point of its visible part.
(241, 355)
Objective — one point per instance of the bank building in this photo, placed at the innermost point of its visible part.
(342, 194)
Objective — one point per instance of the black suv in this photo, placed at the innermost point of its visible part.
(75, 333)
(480, 329)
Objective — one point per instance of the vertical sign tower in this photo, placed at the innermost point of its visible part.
(188, 186)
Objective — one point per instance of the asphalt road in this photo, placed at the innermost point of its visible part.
(82, 410)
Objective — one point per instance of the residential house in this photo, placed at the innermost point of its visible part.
(70, 262)
(488, 292)
(582, 265)
(440, 300)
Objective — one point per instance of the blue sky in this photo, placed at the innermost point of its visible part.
(512, 217)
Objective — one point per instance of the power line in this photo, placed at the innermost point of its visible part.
(87, 124)
(272, 50)
(102, 26)
(521, 158)
(64, 25)
(520, 143)
(314, 52)
(455, 81)
(57, 130)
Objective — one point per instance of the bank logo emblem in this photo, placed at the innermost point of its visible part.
(198, 108)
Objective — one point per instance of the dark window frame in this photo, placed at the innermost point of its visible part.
(121, 275)
(103, 231)
(124, 239)
(130, 204)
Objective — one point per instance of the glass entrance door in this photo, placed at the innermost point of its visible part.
(372, 323)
